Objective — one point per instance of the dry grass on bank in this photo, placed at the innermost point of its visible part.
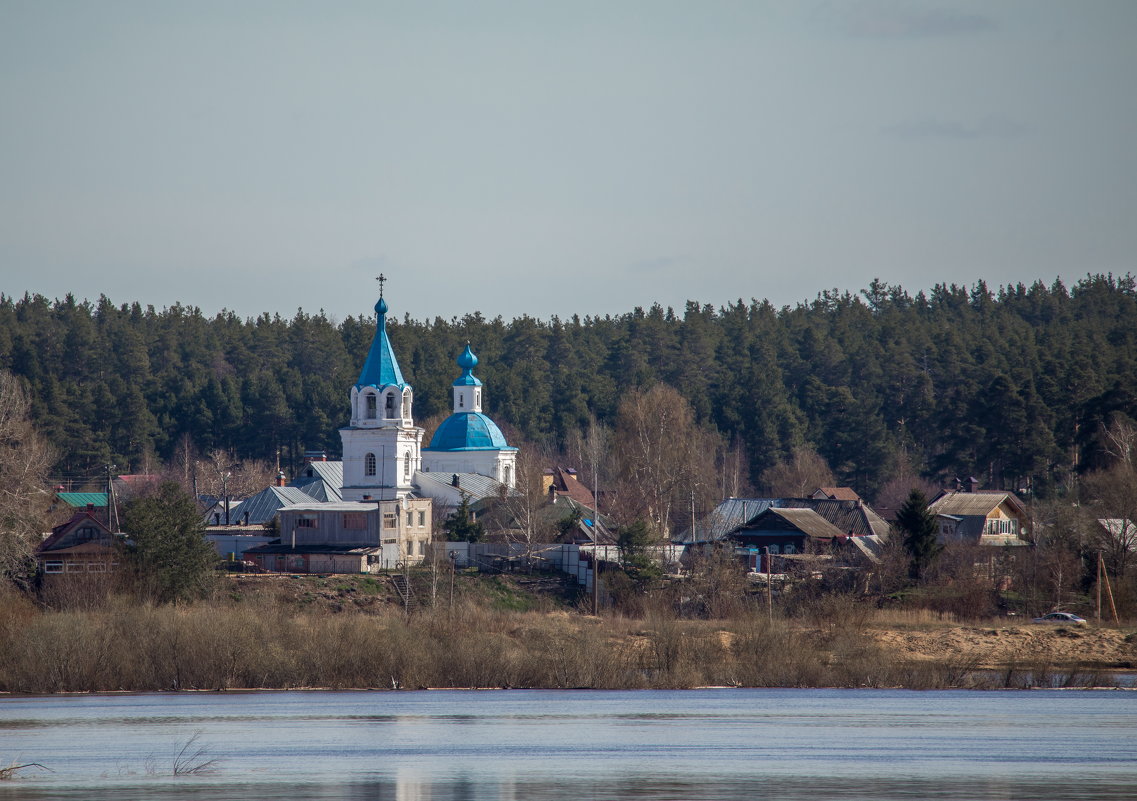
(270, 640)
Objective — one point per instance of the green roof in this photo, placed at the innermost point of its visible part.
(79, 500)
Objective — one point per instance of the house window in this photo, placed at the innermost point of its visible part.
(422, 547)
(86, 533)
(410, 520)
(53, 567)
(773, 549)
(788, 549)
(74, 567)
(306, 521)
(371, 406)
(354, 521)
(96, 567)
(369, 464)
(390, 520)
(422, 519)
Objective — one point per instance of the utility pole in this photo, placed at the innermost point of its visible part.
(112, 510)
(1099, 589)
(595, 532)
(453, 566)
(1108, 590)
(225, 493)
(769, 585)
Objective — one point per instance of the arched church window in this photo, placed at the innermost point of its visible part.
(407, 404)
(461, 400)
(369, 464)
(371, 406)
(507, 476)
(390, 405)
(477, 396)
(407, 467)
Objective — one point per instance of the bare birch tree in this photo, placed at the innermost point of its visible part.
(25, 458)
(799, 475)
(520, 514)
(664, 457)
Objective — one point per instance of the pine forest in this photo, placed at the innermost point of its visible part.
(1016, 386)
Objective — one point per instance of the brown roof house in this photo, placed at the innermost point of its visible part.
(563, 483)
(980, 517)
(791, 526)
(83, 544)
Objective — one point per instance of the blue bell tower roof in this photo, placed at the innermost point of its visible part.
(467, 361)
(468, 431)
(381, 368)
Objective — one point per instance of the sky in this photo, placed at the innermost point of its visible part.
(559, 158)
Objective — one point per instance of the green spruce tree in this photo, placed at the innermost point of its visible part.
(920, 534)
(460, 525)
(167, 544)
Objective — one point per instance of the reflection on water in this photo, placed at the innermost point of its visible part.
(713, 744)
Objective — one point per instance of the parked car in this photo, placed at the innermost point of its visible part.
(240, 566)
(1067, 618)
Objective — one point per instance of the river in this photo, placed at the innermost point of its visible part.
(533, 745)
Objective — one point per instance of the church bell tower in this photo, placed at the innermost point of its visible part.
(382, 446)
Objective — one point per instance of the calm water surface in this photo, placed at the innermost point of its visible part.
(555, 745)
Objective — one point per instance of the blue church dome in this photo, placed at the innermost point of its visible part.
(468, 431)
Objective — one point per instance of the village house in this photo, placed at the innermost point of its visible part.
(348, 537)
(83, 544)
(791, 527)
(980, 517)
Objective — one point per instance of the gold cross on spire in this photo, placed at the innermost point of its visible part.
(381, 281)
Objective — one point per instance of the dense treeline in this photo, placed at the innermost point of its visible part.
(1012, 386)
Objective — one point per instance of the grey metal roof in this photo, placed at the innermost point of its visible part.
(851, 517)
(263, 506)
(871, 546)
(477, 485)
(321, 480)
(338, 506)
(728, 516)
(322, 548)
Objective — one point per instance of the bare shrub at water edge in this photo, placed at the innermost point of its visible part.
(193, 758)
(11, 771)
(769, 654)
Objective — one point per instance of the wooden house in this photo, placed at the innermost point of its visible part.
(980, 517)
(83, 544)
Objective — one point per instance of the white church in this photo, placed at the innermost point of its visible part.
(383, 515)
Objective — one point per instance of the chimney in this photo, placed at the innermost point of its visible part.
(454, 480)
(366, 497)
(315, 456)
(972, 484)
(90, 507)
(280, 479)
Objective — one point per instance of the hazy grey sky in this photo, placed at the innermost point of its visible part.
(555, 158)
